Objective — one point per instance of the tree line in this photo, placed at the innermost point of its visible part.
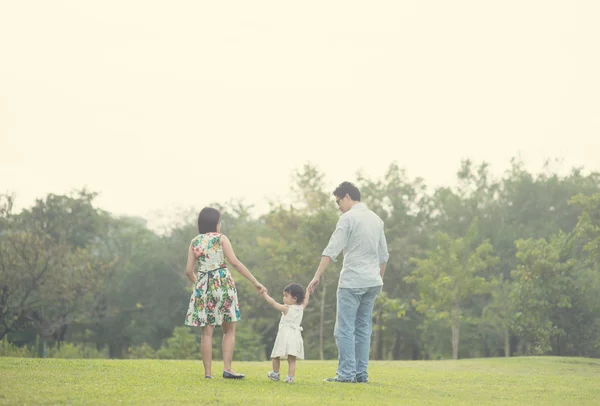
(493, 266)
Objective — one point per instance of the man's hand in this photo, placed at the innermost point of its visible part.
(312, 286)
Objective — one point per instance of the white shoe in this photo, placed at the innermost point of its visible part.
(289, 379)
(274, 376)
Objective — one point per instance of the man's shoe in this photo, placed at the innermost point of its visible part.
(362, 379)
(229, 375)
(339, 380)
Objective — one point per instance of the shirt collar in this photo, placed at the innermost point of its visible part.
(358, 206)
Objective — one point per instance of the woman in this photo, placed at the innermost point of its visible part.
(214, 301)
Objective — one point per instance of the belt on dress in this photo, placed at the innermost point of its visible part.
(203, 273)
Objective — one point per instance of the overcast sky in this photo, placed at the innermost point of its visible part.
(160, 104)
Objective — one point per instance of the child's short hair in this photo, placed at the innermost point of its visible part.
(296, 291)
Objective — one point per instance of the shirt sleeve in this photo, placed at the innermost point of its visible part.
(338, 239)
(382, 251)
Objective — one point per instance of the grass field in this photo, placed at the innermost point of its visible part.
(495, 381)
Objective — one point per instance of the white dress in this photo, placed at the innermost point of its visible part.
(289, 336)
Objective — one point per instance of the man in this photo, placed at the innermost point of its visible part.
(359, 233)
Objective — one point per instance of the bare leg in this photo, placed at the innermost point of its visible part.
(276, 364)
(291, 365)
(207, 334)
(228, 344)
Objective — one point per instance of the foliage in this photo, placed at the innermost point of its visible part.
(73, 351)
(491, 266)
(142, 351)
(182, 345)
(8, 349)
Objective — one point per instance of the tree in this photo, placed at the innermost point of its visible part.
(46, 266)
(543, 286)
(449, 276)
(499, 312)
(385, 309)
(27, 265)
(588, 225)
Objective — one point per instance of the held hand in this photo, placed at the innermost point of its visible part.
(312, 286)
(260, 288)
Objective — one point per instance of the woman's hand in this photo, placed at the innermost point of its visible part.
(260, 288)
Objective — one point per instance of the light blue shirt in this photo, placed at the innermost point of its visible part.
(359, 233)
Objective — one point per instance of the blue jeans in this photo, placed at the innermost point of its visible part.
(353, 327)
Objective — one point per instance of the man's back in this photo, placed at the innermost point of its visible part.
(359, 233)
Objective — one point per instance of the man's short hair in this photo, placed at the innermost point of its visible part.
(347, 188)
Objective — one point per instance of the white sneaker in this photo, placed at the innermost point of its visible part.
(289, 379)
(274, 376)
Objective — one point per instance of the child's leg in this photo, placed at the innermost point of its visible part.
(291, 365)
(274, 374)
(276, 364)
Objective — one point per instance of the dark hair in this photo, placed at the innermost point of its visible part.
(208, 220)
(296, 291)
(347, 188)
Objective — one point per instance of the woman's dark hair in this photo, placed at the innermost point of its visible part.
(208, 220)
(296, 291)
(347, 188)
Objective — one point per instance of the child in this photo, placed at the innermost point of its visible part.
(289, 339)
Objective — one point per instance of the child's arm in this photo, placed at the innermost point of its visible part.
(306, 297)
(282, 308)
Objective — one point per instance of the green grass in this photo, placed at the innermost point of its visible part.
(495, 381)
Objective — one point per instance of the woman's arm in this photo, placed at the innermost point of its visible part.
(237, 264)
(282, 308)
(191, 263)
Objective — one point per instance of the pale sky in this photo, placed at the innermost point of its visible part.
(159, 104)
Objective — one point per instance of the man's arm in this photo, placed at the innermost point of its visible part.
(325, 261)
(337, 243)
(383, 254)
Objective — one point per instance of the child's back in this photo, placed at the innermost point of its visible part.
(289, 337)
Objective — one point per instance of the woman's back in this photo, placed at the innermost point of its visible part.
(209, 252)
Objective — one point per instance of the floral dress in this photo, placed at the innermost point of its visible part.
(214, 299)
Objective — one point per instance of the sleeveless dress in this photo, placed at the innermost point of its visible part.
(214, 299)
(289, 336)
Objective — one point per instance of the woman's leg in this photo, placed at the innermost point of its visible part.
(207, 334)
(276, 364)
(291, 365)
(228, 344)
